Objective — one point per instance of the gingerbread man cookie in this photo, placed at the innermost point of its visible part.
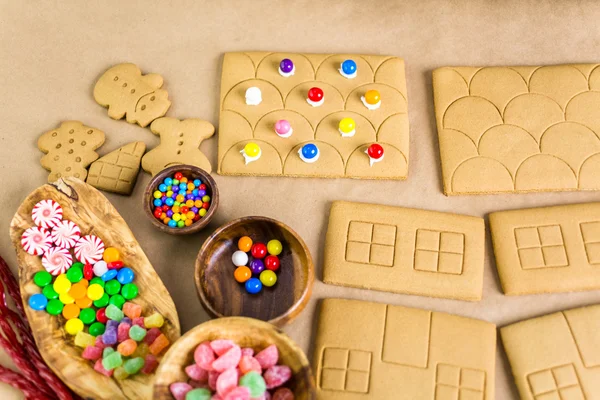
(69, 149)
(179, 144)
(128, 93)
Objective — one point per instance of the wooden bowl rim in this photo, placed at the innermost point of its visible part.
(298, 305)
(196, 226)
(263, 325)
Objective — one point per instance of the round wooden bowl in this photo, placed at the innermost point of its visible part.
(222, 296)
(192, 173)
(246, 332)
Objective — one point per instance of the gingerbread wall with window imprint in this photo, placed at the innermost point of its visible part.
(404, 250)
(376, 351)
(556, 356)
(342, 148)
(549, 249)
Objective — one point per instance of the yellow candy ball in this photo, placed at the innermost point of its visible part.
(111, 254)
(61, 285)
(372, 97)
(74, 326)
(95, 292)
(66, 298)
(169, 193)
(182, 217)
(202, 212)
(206, 198)
(251, 149)
(176, 216)
(347, 125)
(157, 194)
(274, 247)
(268, 278)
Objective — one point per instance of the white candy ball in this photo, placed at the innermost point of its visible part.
(100, 268)
(239, 258)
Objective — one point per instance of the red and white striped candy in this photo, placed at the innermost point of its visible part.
(36, 241)
(89, 249)
(47, 213)
(57, 260)
(66, 234)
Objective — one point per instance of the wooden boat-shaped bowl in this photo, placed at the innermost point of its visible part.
(94, 214)
(246, 332)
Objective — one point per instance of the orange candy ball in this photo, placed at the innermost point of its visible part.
(242, 274)
(70, 311)
(84, 302)
(78, 291)
(372, 97)
(244, 244)
(111, 254)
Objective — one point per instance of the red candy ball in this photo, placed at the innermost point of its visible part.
(184, 210)
(202, 187)
(375, 151)
(166, 208)
(272, 262)
(205, 205)
(258, 250)
(101, 315)
(157, 212)
(115, 265)
(315, 94)
(88, 272)
(178, 176)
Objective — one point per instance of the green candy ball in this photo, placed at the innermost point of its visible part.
(54, 307)
(129, 291)
(42, 278)
(49, 292)
(198, 394)
(77, 264)
(112, 287)
(117, 300)
(97, 280)
(75, 274)
(255, 382)
(97, 329)
(102, 301)
(87, 315)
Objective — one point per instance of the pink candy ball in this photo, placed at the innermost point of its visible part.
(282, 127)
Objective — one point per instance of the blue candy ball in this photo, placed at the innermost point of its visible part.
(197, 182)
(168, 181)
(125, 275)
(38, 302)
(158, 202)
(173, 223)
(310, 151)
(169, 201)
(349, 67)
(162, 187)
(183, 186)
(195, 192)
(108, 275)
(253, 285)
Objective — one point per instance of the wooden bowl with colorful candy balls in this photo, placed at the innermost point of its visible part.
(181, 199)
(254, 267)
(247, 358)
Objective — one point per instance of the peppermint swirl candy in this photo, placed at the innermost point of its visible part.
(89, 249)
(36, 241)
(57, 260)
(66, 234)
(47, 213)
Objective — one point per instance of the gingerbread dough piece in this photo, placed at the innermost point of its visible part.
(69, 149)
(118, 170)
(179, 142)
(556, 356)
(373, 351)
(128, 93)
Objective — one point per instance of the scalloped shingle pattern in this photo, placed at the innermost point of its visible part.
(518, 129)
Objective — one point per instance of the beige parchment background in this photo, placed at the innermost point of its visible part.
(51, 53)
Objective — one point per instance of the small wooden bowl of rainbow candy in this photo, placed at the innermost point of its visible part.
(181, 199)
(247, 357)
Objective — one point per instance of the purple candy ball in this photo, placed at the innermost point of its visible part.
(111, 324)
(257, 266)
(286, 65)
(189, 196)
(197, 198)
(194, 210)
(163, 198)
(201, 193)
(169, 213)
(175, 189)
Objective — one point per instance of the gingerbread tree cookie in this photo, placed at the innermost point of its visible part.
(179, 144)
(69, 149)
(118, 170)
(128, 93)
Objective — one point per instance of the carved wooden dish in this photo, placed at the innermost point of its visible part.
(192, 173)
(246, 332)
(94, 214)
(222, 296)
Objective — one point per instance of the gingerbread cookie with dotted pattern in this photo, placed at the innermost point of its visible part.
(179, 144)
(70, 149)
(127, 93)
